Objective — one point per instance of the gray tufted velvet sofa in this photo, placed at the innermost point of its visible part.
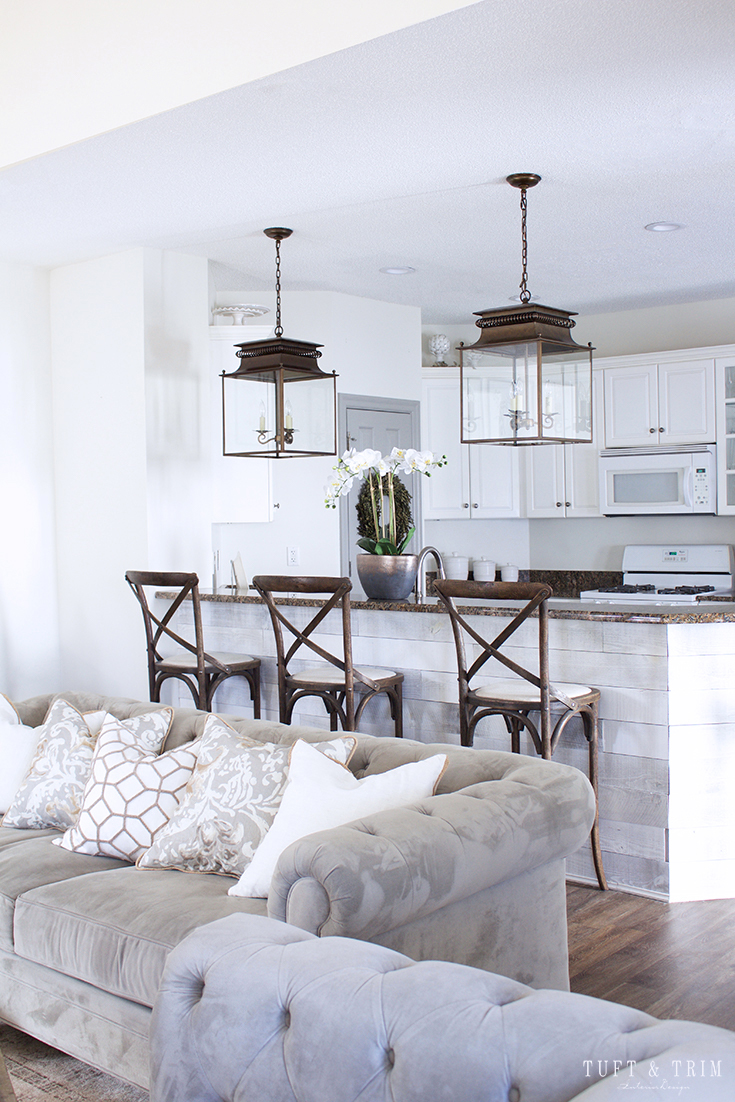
(252, 1009)
(474, 874)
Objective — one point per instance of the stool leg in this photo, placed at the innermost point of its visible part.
(398, 697)
(591, 723)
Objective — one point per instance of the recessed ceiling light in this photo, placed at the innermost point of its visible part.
(397, 271)
(664, 227)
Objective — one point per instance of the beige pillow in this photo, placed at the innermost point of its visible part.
(51, 795)
(132, 789)
(230, 803)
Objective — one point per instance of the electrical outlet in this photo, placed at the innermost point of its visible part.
(292, 556)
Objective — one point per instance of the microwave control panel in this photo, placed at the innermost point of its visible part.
(701, 487)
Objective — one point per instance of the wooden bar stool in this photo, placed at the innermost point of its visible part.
(201, 672)
(339, 681)
(515, 699)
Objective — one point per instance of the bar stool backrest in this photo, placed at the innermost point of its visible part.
(535, 594)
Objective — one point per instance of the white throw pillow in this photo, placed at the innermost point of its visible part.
(320, 794)
(230, 802)
(132, 789)
(17, 748)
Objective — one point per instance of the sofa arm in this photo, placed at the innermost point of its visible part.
(378, 873)
(250, 1008)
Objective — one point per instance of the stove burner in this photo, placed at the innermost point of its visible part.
(689, 589)
(630, 589)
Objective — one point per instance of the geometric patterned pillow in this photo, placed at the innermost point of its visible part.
(51, 794)
(230, 803)
(132, 790)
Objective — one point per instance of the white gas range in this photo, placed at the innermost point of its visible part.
(671, 574)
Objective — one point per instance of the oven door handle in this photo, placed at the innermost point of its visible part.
(687, 485)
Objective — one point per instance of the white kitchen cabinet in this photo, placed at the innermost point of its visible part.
(480, 481)
(242, 490)
(659, 402)
(561, 480)
(725, 391)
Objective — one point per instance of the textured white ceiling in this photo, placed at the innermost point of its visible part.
(396, 152)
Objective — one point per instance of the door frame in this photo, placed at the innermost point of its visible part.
(379, 405)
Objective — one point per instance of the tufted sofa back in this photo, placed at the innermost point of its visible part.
(465, 766)
(253, 1008)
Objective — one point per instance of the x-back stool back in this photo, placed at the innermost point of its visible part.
(338, 682)
(201, 672)
(515, 699)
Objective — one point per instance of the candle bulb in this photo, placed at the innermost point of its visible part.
(261, 421)
(289, 416)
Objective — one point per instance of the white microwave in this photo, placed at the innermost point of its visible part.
(651, 482)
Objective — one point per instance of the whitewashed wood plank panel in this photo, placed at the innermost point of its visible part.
(710, 671)
(634, 638)
(701, 639)
(640, 740)
(702, 880)
(700, 705)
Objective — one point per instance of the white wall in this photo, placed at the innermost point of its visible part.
(375, 348)
(178, 423)
(98, 357)
(29, 646)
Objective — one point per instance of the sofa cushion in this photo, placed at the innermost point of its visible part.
(322, 794)
(29, 859)
(115, 929)
(131, 792)
(51, 794)
(230, 802)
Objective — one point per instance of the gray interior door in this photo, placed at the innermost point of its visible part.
(383, 424)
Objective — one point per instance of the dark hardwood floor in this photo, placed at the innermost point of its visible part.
(673, 960)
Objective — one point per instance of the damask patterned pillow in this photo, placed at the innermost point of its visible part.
(51, 794)
(132, 790)
(230, 803)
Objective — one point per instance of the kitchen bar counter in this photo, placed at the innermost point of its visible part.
(715, 611)
(667, 682)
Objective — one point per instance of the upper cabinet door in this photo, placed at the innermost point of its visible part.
(494, 481)
(631, 407)
(687, 402)
(446, 495)
(544, 471)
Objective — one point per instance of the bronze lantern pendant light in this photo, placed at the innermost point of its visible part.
(288, 406)
(526, 381)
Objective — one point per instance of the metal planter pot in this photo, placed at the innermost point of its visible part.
(387, 577)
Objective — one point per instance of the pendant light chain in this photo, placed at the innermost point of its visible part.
(279, 327)
(525, 293)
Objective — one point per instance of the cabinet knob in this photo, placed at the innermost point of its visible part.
(661, 429)
(651, 430)
(465, 504)
(475, 505)
(568, 504)
(558, 505)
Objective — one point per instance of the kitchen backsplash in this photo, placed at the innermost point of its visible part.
(565, 583)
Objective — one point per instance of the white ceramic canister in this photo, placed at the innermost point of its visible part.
(509, 573)
(483, 570)
(456, 567)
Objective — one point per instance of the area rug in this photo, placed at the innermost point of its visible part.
(41, 1074)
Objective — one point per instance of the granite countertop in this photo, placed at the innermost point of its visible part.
(560, 608)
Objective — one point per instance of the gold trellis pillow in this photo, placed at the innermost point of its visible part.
(51, 794)
(132, 789)
(230, 802)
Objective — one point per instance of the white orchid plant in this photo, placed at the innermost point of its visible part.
(388, 538)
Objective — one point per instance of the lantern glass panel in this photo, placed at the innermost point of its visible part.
(514, 394)
(249, 409)
(566, 394)
(309, 411)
